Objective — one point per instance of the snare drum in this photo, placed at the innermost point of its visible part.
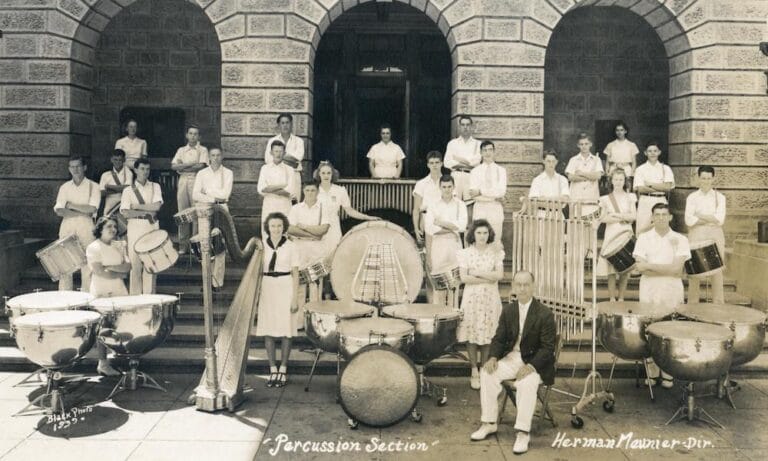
(705, 259)
(290, 161)
(46, 301)
(217, 244)
(618, 252)
(54, 340)
(321, 321)
(357, 333)
(446, 280)
(379, 386)
(314, 272)
(62, 257)
(691, 351)
(747, 325)
(187, 216)
(156, 252)
(435, 328)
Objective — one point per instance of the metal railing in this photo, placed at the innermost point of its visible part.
(371, 194)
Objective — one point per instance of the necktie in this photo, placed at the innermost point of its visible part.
(273, 260)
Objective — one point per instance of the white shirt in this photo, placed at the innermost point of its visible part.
(647, 173)
(294, 147)
(490, 179)
(86, 193)
(385, 157)
(150, 192)
(661, 249)
(190, 155)
(212, 186)
(133, 148)
(125, 176)
(314, 215)
(428, 190)
(622, 152)
(334, 198)
(287, 257)
(454, 212)
(584, 190)
(713, 202)
(523, 314)
(459, 149)
(545, 186)
(275, 175)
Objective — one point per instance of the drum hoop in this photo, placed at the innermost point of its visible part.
(604, 252)
(155, 248)
(140, 302)
(703, 244)
(87, 298)
(30, 321)
(699, 317)
(405, 358)
(374, 331)
(400, 313)
(652, 330)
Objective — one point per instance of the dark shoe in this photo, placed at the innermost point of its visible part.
(272, 379)
(282, 380)
(217, 289)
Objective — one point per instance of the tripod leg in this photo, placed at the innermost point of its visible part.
(312, 372)
(610, 376)
(649, 382)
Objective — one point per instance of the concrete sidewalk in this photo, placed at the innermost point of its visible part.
(274, 424)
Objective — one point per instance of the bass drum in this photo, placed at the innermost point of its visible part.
(379, 386)
(352, 248)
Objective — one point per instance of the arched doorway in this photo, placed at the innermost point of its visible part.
(381, 63)
(605, 64)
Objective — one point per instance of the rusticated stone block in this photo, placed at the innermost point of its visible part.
(244, 147)
(44, 168)
(711, 107)
(7, 168)
(259, 49)
(516, 79)
(50, 122)
(233, 124)
(522, 174)
(48, 72)
(265, 5)
(265, 25)
(13, 121)
(737, 82)
(22, 21)
(15, 96)
(221, 9)
(184, 96)
(491, 8)
(534, 32)
(231, 28)
(309, 10)
(288, 100)
(562, 5)
(11, 71)
(469, 31)
(299, 29)
(502, 103)
(55, 47)
(34, 144)
(502, 29)
(512, 54)
(469, 78)
(147, 96)
(153, 58)
(62, 24)
(74, 7)
(203, 77)
(746, 10)
(126, 76)
(245, 169)
(243, 100)
(509, 128)
(459, 11)
(19, 45)
(518, 151)
(545, 14)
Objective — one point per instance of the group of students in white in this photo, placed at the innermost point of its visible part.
(468, 203)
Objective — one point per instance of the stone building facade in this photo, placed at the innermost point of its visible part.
(505, 73)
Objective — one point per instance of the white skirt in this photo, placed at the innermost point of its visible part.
(274, 317)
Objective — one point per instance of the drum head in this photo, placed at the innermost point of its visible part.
(51, 300)
(119, 303)
(680, 329)
(343, 309)
(57, 319)
(615, 244)
(364, 327)
(634, 308)
(352, 248)
(150, 241)
(702, 244)
(420, 311)
(722, 314)
(379, 386)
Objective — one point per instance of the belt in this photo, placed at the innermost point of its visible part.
(462, 169)
(144, 218)
(276, 274)
(655, 194)
(187, 175)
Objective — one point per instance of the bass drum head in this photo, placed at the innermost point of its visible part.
(379, 386)
(351, 250)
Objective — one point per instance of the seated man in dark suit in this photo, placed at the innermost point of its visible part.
(528, 358)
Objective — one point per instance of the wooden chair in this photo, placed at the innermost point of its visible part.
(542, 393)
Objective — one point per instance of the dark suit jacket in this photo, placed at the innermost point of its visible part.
(537, 345)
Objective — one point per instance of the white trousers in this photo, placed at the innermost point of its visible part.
(142, 282)
(184, 200)
(493, 212)
(698, 234)
(645, 204)
(526, 395)
(82, 226)
(461, 180)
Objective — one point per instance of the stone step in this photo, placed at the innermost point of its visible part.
(13, 259)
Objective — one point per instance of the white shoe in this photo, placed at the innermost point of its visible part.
(667, 383)
(521, 443)
(474, 380)
(485, 430)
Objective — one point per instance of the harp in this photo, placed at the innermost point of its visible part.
(222, 383)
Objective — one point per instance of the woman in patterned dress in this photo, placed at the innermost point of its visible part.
(481, 266)
(619, 211)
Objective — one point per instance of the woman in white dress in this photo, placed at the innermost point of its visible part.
(108, 259)
(134, 147)
(385, 158)
(621, 153)
(278, 300)
(481, 266)
(619, 211)
(335, 198)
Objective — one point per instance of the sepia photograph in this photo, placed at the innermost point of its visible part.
(247, 230)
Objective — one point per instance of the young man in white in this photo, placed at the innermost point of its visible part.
(461, 155)
(444, 220)
(487, 187)
(309, 223)
(114, 181)
(77, 203)
(214, 185)
(704, 216)
(189, 159)
(653, 180)
(294, 150)
(276, 184)
(140, 204)
(385, 158)
(426, 191)
(660, 254)
(549, 184)
(584, 170)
